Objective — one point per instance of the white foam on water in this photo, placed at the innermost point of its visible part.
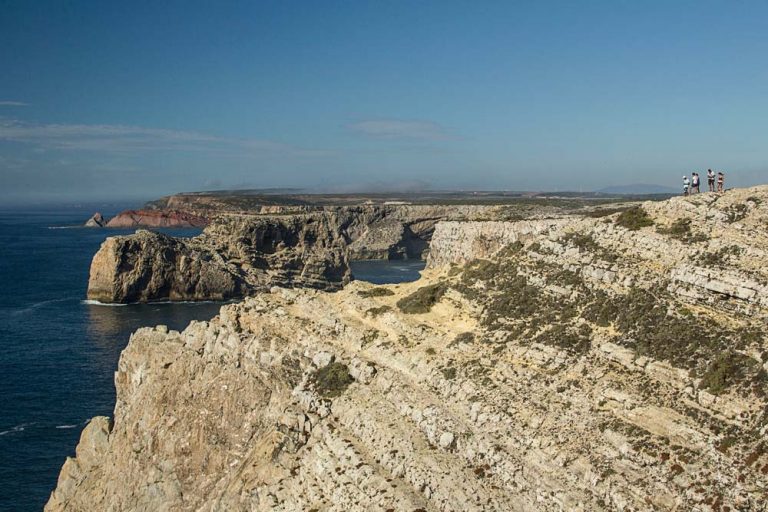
(39, 305)
(17, 428)
(66, 426)
(92, 302)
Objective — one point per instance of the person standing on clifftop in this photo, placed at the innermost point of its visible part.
(711, 179)
(695, 183)
(686, 184)
(720, 181)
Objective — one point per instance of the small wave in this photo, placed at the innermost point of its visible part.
(92, 302)
(17, 428)
(37, 305)
(65, 227)
(66, 426)
(192, 302)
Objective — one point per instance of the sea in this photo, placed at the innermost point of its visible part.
(59, 352)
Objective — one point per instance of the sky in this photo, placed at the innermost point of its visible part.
(123, 100)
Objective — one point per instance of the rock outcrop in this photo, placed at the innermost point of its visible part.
(555, 364)
(234, 257)
(149, 219)
(157, 219)
(239, 254)
(96, 221)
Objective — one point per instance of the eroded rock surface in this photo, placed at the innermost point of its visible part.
(559, 364)
(96, 221)
(234, 257)
(157, 219)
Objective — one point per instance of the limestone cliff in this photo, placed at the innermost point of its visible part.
(157, 219)
(234, 257)
(149, 219)
(602, 362)
(239, 254)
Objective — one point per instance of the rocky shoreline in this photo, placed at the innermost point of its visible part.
(239, 254)
(606, 361)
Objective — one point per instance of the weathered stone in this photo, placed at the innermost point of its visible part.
(225, 416)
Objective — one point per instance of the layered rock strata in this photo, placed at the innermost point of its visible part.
(239, 254)
(547, 365)
(234, 257)
(149, 219)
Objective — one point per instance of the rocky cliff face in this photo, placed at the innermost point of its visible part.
(234, 257)
(239, 254)
(581, 363)
(149, 219)
(96, 221)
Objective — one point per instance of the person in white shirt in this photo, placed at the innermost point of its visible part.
(686, 184)
(711, 179)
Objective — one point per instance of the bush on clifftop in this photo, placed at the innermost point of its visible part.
(332, 380)
(422, 300)
(634, 218)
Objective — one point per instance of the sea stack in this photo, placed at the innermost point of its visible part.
(96, 221)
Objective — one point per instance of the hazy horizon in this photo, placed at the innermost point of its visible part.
(130, 102)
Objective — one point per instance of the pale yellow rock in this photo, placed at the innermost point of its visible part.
(227, 415)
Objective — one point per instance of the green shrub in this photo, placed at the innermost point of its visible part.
(422, 300)
(376, 292)
(720, 257)
(449, 372)
(729, 369)
(332, 380)
(681, 230)
(604, 212)
(736, 212)
(585, 243)
(634, 218)
(378, 311)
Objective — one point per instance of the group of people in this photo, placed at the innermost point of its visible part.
(691, 186)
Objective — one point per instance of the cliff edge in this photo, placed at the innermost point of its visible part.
(613, 361)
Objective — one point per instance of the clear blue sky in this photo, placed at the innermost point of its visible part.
(138, 99)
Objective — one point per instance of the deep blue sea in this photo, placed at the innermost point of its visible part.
(58, 353)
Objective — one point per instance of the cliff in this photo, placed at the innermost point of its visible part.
(157, 219)
(149, 219)
(234, 257)
(240, 254)
(612, 361)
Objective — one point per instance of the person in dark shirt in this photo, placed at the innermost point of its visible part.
(711, 179)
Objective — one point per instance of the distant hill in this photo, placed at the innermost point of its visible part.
(638, 189)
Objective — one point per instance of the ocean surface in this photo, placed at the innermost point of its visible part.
(58, 353)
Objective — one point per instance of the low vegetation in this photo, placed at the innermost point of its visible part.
(422, 300)
(585, 243)
(376, 292)
(378, 310)
(604, 212)
(720, 257)
(681, 230)
(732, 368)
(634, 218)
(517, 308)
(648, 325)
(332, 380)
(736, 212)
